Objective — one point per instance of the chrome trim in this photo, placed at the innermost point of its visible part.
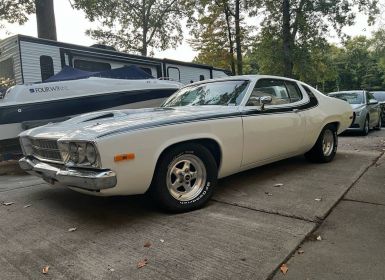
(85, 179)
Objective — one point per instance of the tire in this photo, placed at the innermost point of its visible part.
(366, 128)
(379, 124)
(174, 187)
(325, 149)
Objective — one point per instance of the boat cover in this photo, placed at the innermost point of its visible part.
(131, 72)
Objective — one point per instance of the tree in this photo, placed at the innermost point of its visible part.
(12, 11)
(45, 18)
(15, 11)
(223, 20)
(299, 21)
(135, 25)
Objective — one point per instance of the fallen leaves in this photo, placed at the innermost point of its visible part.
(284, 268)
(269, 194)
(278, 185)
(300, 252)
(8, 203)
(147, 244)
(142, 263)
(72, 229)
(318, 199)
(161, 240)
(319, 238)
(45, 269)
(28, 205)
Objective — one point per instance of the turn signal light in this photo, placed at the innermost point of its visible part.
(122, 157)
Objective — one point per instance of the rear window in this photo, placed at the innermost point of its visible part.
(379, 96)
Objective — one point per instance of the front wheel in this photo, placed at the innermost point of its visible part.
(366, 128)
(379, 124)
(185, 178)
(325, 148)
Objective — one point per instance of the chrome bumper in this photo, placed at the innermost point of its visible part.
(84, 179)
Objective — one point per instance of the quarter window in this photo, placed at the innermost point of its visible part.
(294, 93)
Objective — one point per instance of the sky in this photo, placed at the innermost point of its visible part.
(71, 26)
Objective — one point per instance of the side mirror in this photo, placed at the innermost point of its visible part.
(373, 102)
(265, 100)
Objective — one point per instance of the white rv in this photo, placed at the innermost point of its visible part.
(29, 60)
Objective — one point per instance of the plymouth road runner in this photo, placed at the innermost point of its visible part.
(205, 131)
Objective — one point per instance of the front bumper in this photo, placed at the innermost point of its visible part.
(79, 178)
(358, 122)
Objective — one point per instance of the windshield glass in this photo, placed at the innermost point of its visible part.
(350, 97)
(380, 96)
(222, 93)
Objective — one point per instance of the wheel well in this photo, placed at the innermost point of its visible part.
(210, 144)
(335, 124)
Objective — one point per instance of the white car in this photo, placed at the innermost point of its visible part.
(205, 131)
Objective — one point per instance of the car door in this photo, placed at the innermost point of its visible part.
(373, 109)
(279, 128)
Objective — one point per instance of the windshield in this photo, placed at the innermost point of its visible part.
(350, 97)
(222, 93)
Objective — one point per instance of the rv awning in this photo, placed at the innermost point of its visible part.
(128, 72)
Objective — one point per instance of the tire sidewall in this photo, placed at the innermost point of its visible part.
(159, 186)
(335, 144)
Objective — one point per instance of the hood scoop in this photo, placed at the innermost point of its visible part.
(105, 116)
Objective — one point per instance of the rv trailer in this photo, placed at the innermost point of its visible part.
(26, 59)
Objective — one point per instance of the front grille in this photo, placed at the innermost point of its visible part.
(46, 149)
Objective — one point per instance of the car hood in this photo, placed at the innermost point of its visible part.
(101, 124)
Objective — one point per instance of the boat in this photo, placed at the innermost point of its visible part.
(73, 92)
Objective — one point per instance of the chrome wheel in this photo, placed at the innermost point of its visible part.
(186, 177)
(328, 142)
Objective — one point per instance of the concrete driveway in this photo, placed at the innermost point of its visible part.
(247, 231)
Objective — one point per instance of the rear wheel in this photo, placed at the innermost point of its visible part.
(325, 148)
(185, 178)
(366, 128)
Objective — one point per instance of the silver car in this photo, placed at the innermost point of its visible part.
(367, 111)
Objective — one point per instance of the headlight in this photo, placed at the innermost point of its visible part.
(82, 154)
(91, 153)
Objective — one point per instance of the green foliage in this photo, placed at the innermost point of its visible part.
(135, 25)
(15, 11)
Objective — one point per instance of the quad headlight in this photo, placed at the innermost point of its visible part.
(82, 154)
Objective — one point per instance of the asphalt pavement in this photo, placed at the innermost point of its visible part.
(257, 221)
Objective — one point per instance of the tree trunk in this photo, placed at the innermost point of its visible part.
(145, 29)
(287, 40)
(45, 18)
(238, 38)
(230, 38)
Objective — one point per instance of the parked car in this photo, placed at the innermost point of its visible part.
(380, 97)
(367, 111)
(205, 131)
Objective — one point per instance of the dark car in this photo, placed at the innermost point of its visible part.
(380, 97)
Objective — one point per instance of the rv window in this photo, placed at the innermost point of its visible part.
(201, 77)
(6, 69)
(92, 66)
(46, 67)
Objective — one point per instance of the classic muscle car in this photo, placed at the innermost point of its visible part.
(205, 131)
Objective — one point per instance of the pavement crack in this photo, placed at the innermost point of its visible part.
(362, 201)
(268, 212)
